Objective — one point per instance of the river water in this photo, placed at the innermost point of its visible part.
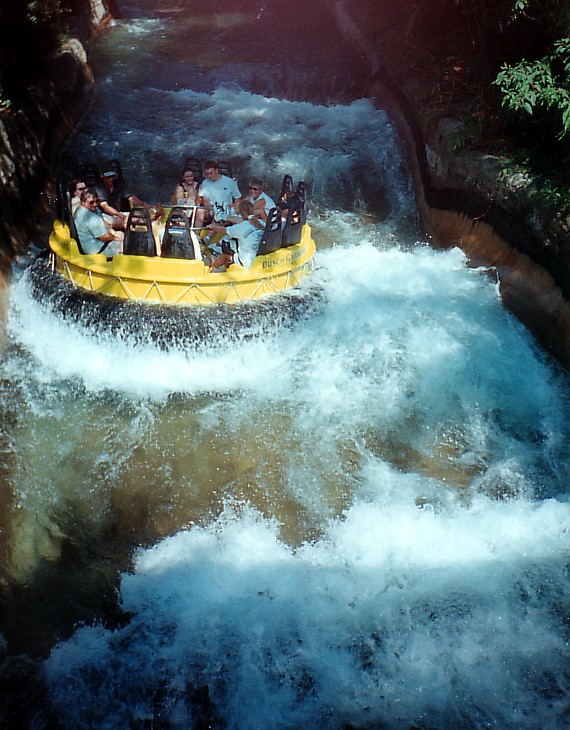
(360, 520)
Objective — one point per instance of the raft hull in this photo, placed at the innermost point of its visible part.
(179, 281)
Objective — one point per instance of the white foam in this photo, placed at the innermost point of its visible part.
(396, 616)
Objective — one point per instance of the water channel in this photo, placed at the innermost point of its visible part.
(360, 520)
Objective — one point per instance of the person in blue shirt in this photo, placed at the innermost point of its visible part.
(95, 235)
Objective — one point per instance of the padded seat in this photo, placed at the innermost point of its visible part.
(139, 238)
(177, 242)
(273, 234)
(293, 229)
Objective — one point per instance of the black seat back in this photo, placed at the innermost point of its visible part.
(90, 174)
(294, 225)
(177, 242)
(139, 238)
(302, 194)
(225, 168)
(64, 195)
(63, 210)
(272, 236)
(70, 220)
(286, 188)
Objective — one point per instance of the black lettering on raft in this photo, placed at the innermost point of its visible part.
(289, 258)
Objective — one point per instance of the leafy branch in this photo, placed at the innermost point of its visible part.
(530, 85)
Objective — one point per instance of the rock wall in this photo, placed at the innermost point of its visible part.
(32, 134)
(464, 197)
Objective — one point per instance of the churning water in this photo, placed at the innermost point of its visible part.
(358, 521)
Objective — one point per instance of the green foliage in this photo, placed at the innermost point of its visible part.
(552, 15)
(550, 180)
(520, 6)
(5, 102)
(46, 14)
(47, 18)
(530, 85)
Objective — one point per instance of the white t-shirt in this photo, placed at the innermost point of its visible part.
(248, 237)
(221, 194)
(268, 201)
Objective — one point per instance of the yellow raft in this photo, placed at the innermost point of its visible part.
(179, 281)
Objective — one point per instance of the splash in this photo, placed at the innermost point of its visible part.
(399, 616)
(359, 520)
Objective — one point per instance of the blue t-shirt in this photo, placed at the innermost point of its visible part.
(90, 225)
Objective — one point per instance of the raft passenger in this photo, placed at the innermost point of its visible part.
(76, 188)
(186, 192)
(112, 192)
(240, 241)
(95, 235)
(219, 193)
(261, 201)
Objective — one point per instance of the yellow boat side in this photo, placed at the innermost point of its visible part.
(179, 281)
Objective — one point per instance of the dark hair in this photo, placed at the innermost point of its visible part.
(74, 183)
(211, 164)
(184, 171)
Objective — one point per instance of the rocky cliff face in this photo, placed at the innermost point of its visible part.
(465, 197)
(31, 134)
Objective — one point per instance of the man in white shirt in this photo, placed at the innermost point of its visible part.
(219, 192)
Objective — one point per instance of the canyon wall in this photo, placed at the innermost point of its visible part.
(31, 133)
(465, 197)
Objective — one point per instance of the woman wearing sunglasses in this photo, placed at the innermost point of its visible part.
(262, 203)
